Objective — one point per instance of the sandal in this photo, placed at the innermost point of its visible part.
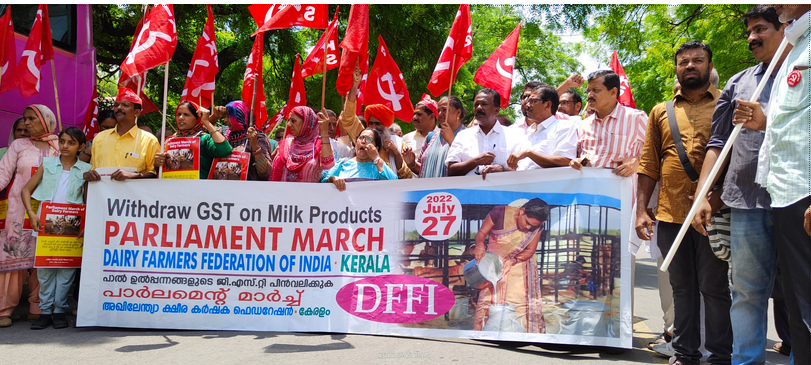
(663, 339)
(782, 349)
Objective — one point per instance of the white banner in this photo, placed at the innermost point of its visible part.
(382, 257)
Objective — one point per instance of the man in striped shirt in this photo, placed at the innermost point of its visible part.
(613, 136)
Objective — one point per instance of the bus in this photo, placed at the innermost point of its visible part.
(74, 59)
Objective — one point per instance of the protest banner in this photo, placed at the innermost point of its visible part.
(233, 167)
(183, 161)
(382, 257)
(57, 244)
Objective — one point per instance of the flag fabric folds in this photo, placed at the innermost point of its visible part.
(38, 50)
(355, 48)
(280, 16)
(90, 127)
(253, 72)
(497, 72)
(314, 63)
(8, 53)
(203, 69)
(458, 49)
(386, 85)
(154, 45)
(626, 98)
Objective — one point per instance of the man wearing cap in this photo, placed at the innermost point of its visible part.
(379, 117)
(424, 121)
(484, 148)
(126, 146)
(552, 141)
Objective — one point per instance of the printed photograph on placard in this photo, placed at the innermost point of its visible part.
(518, 261)
(233, 167)
(180, 159)
(183, 160)
(62, 225)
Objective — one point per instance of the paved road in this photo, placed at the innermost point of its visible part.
(20, 345)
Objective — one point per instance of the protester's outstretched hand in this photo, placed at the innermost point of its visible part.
(409, 157)
(91, 175)
(253, 138)
(160, 159)
(627, 166)
(574, 81)
(339, 183)
(750, 114)
(121, 175)
(323, 123)
(578, 163)
(512, 161)
(357, 76)
(491, 168)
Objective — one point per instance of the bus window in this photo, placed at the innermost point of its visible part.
(62, 18)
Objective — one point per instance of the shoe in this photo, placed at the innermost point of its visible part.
(665, 349)
(674, 361)
(5, 322)
(664, 338)
(60, 321)
(42, 322)
(781, 349)
(33, 317)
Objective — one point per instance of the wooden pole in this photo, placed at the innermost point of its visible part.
(324, 77)
(56, 95)
(450, 84)
(253, 101)
(163, 117)
(718, 163)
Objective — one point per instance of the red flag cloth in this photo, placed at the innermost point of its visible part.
(280, 16)
(253, 72)
(8, 53)
(460, 44)
(147, 106)
(298, 96)
(387, 86)
(203, 69)
(314, 63)
(90, 127)
(497, 72)
(626, 97)
(355, 49)
(38, 49)
(155, 43)
(275, 121)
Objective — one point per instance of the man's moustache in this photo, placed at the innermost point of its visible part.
(755, 44)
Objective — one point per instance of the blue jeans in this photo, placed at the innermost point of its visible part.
(754, 262)
(53, 289)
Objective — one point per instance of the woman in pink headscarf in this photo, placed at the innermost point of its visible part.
(17, 245)
(306, 152)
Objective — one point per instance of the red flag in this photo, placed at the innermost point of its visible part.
(495, 76)
(280, 16)
(626, 97)
(90, 127)
(355, 49)
(387, 86)
(460, 44)
(314, 63)
(155, 43)
(133, 83)
(8, 53)
(276, 120)
(253, 72)
(199, 85)
(38, 49)
(298, 96)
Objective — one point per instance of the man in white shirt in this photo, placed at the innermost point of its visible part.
(552, 142)
(340, 149)
(484, 148)
(424, 121)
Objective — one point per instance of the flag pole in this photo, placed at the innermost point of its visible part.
(163, 117)
(450, 85)
(719, 162)
(324, 78)
(56, 94)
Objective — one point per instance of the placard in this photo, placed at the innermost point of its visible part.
(183, 161)
(57, 244)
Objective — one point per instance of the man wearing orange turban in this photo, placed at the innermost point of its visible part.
(379, 117)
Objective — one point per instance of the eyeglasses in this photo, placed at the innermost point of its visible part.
(572, 103)
(366, 139)
(535, 100)
(525, 96)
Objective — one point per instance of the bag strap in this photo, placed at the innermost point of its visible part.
(674, 132)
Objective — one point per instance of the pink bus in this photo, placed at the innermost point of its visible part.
(75, 61)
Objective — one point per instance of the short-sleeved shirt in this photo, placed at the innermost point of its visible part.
(740, 189)
(112, 150)
(660, 161)
(553, 137)
(620, 134)
(472, 142)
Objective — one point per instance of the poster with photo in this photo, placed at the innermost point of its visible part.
(183, 161)
(233, 167)
(58, 245)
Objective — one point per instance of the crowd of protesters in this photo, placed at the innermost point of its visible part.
(765, 184)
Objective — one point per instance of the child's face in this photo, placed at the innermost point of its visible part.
(68, 146)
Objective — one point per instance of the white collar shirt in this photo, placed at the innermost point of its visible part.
(553, 137)
(472, 142)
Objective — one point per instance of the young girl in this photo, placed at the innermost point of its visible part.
(58, 180)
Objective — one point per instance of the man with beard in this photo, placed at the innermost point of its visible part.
(126, 146)
(485, 147)
(753, 255)
(552, 142)
(377, 116)
(570, 103)
(695, 271)
(784, 168)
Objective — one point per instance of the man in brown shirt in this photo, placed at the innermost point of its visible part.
(694, 271)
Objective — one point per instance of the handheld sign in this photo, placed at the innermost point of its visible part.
(57, 245)
(183, 161)
(233, 167)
